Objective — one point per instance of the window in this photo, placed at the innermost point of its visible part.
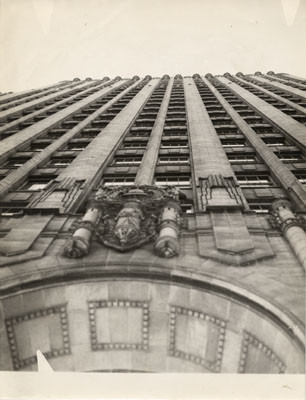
(173, 180)
(127, 160)
(241, 158)
(15, 162)
(137, 145)
(227, 130)
(56, 133)
(170, 144)
(173, 160)
(301, 176)
(275, 141)
(60, 162)
(232, 142)
(254, 180)
(33, 184)
(187, 206)
(260, 208)
(77, 146)
(290, 156)
(118, 180)
(90, 132)
(37, 186)
(11, 212)
(38, 146)
(175, 133)
(175, 122)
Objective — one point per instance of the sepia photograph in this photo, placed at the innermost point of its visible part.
(153, 186)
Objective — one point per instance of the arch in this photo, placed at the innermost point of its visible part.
(203, 304)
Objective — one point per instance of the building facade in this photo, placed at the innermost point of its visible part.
(154, 224)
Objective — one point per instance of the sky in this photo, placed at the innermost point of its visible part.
(46, 41)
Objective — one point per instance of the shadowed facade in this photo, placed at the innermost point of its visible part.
(154, 224)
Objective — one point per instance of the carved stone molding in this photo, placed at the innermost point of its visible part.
(126, 343)
(58, 193)
(19, 325)
(214, 328)
(251, 342)
(220, 192)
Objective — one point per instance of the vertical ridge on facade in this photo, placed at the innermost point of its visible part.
(280, 85)
(294, 129)
(33, 131)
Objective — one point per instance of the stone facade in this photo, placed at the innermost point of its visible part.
(154, 224)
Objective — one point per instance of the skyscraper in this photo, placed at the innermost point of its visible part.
(155, 224)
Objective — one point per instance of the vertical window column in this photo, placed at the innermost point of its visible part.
(292, 128)
(293, 78)
(281, 86)
(145, 174)
(286, 178)
(261, 87)
(215, 180)
(88, 167)
(18, 175)
(12, 143)
(276, 77)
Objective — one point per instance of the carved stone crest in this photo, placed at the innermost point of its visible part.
(126, 217)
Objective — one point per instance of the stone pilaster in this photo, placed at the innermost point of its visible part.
(281, 79)
(295, 130)
(11, 105)
(99, 151)
(243, 79)
(66, 91)
(281, 86)
(293, 77)
(18, 175)
(19, 109)
(208, 156)
(145, 174)
(292, 228)
(295, 189)
(19, 95)
(14, 142)
(218, 190)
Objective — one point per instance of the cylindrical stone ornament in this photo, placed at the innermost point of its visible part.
(292, 229)
(167, 244)
(78, 245)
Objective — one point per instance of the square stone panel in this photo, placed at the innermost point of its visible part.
(256, 357)
(119, 325)
(197, 337)
(45, 330)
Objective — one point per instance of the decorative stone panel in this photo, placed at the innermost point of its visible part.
(23, 235)
(256, 357)
(45, 330)
(197, 337)
(119, 325)
(219, 191)
(58, 193)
